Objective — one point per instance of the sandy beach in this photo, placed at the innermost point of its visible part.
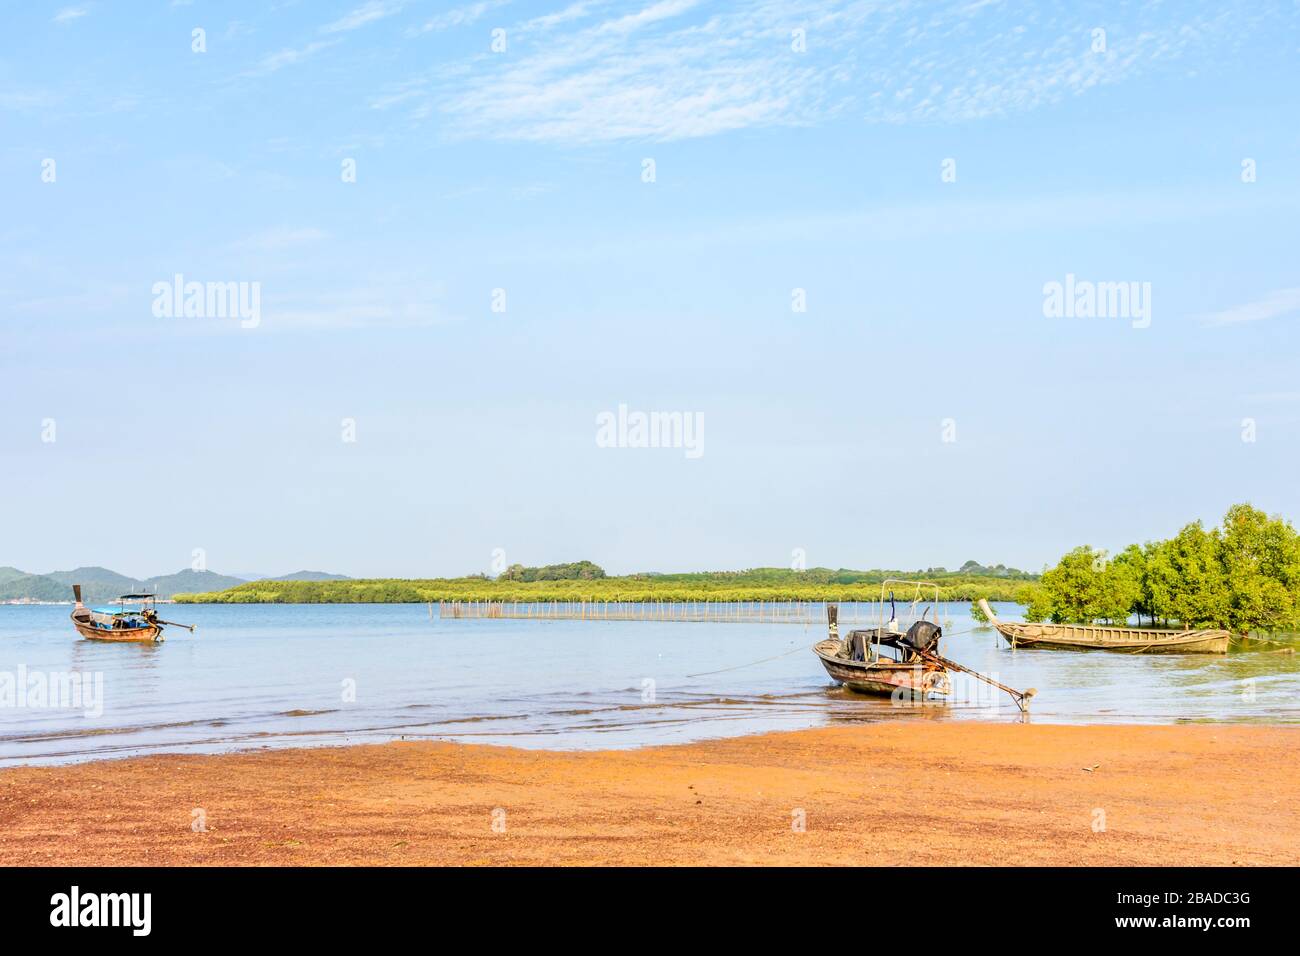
(914, 793)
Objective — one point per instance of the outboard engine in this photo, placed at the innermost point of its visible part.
(922, 636)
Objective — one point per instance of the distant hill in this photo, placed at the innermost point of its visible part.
(100, 585)
(188, 581)
(251, 576)
(15, 584)
(311, 576)
(97, 584)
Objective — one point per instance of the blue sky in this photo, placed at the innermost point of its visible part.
(778, 165)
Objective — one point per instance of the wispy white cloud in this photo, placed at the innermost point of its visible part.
(364, 14)
(281, 237)
(1006, 67)
(92, 296)
(640, 74)
(1274, 305)
(457, 17)
(198, 167)
(16, 100)
(1268, 398)
(380, 300)
(531, 190)
(662, 10)
(68, 14)
(674, 69)
(574, 11)
(287, 57)
(398, 95)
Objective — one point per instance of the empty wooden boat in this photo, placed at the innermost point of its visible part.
(133, 621)
(1090, 637)
(886, 659)
(881, 675)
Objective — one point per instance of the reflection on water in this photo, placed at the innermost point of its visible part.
(263, 676)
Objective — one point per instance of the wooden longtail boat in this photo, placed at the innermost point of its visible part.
(134, 621)
(885, 659)
(1089, 637)
(881, 676)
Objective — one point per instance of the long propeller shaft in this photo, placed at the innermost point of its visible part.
(1020, 697)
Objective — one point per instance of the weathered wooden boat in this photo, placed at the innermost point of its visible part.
(134, 620)
(903, 663)
(886, 659)
(1090, 637)
(881, 675)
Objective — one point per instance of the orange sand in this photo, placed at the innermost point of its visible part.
(913, 793)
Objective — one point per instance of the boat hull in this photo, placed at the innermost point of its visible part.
(1089, 637)
(882, 677)
(126, 635)
(1071, 637)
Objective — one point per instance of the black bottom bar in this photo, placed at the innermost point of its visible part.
(911, 906)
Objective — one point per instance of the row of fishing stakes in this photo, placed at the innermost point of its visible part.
(737, 612)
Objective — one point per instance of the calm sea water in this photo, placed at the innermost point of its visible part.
(273, 676)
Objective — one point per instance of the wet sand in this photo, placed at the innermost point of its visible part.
(913, 794)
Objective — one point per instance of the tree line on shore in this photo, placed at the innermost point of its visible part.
(760, 584)
(1243, 576)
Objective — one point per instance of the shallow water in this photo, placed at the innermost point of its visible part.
(276, 675)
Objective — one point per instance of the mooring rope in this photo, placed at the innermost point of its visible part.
(752, 663)
(1286, 648)
(777, 657)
